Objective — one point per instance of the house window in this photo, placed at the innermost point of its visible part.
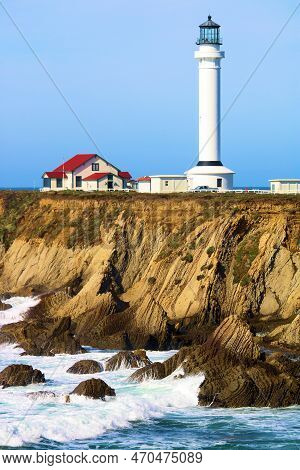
(59, 182)
(47, 183)
(78, 181)
(95, 166)
(110, 183)
(166, 183)
(219, 182)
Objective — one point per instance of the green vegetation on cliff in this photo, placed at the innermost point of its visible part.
(245, 255)
(14, 206)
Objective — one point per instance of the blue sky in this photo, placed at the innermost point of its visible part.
(127, 69)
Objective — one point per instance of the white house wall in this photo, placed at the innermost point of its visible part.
(174, 185)
(66, 183)
(118, 183)
(89, 185)
(158, 185)
(168, 185)
(101, 185)
(144, 187)
(86, 169)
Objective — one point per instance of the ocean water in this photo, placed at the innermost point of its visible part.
(151, 415)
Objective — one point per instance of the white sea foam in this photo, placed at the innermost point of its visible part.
(84, 418)
(26, 420)
(19, 306)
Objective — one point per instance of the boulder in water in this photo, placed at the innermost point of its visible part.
(128, 360)
(155, 371)
(45, 338)
(6, 295)
(4, 306)
(85, 367)
(94, 388)
(20, 375)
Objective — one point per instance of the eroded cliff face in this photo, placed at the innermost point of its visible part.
(154, 271)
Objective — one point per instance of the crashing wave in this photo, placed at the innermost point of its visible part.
(19, 306)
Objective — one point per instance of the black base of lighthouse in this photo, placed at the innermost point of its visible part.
(210, 163)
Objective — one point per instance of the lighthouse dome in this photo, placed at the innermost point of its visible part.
(209, 24)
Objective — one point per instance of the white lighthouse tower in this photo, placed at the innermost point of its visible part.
(209, 170)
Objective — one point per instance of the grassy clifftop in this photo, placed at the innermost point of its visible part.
(26, 212)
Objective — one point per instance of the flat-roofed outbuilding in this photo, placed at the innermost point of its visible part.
(285, 186)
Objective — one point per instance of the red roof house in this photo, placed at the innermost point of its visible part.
(86, 172)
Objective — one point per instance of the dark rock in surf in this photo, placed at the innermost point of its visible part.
(85, 367)
(128, 360)
(154, 371)
(20, 375)
(4, 306)
(46, 338)
(94, 388)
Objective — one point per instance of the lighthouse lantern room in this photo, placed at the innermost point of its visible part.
(209, 170)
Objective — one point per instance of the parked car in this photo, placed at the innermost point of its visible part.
(204, 189)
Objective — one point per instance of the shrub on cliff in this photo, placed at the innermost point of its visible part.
(151, 281)
(210, 250)
(188, 258)
(245, 255)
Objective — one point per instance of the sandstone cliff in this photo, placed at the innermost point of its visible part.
(156, 271)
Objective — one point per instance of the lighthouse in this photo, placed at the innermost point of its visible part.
(209, 171)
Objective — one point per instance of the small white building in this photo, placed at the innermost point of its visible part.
(162, 184)
(144, 184)
(285, 186)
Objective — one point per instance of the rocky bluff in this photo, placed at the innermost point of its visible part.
(151, 271)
